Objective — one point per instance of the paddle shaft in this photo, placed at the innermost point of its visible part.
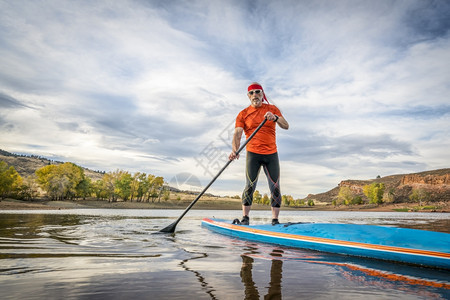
(171, 227)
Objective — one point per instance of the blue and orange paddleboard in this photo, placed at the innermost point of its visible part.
(420, 247)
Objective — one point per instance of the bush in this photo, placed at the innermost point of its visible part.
(374, 192)
(347, 197)
(357, 200)
(419, 195)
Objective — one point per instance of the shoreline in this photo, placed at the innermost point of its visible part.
(11, 204)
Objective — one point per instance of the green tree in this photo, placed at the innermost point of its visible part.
(419, 195)
(29, 189)
(73, 175)
(148, 187)
(374, 192)
(55, 180)
(115, 185)
(45, 178)
(299, 202)
(61, 181)
(84, 188)
(122, 184)
(287, 200)
(10, 180)
(266, 199)
(142, 186)
(345, 196)
(99, 189)
(257, 197)
(157, 185)
(109, 186)
(357, 200)
(136, 190)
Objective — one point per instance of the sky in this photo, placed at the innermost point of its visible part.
(155, 86)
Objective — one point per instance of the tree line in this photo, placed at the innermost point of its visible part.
(375, 193)
(67, 181)
(287, 200)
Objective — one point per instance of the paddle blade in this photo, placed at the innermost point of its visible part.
(169, 229)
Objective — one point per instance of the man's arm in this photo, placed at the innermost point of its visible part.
(236, 142)
(282, 122)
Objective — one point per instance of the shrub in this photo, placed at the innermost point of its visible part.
(374, 192)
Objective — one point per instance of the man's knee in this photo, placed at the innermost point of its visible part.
(247, 196)
(276, 203)
(275, 200)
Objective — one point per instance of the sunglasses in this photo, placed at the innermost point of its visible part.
(254, 91)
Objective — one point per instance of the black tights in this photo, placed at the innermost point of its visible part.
(271, 166)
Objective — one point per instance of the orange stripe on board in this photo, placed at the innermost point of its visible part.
(331, 241)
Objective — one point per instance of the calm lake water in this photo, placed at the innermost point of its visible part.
(112, 254)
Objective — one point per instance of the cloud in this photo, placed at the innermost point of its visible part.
(8, 102)
(148, 85)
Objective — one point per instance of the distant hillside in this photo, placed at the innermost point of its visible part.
(27, 165)
(436, 183)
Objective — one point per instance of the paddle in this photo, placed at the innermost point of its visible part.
(171, 227)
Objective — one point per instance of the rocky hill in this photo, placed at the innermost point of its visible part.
(27, 165)
(435, 183)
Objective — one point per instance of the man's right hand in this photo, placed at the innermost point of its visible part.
(233, 156)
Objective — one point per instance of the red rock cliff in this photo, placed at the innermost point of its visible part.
(412, 179)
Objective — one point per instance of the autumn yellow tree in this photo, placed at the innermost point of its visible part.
(157, 186)
(374, 192)
(257, 197)
(29, 189)
(265, 199)
(61, 181)
(125, 186)
(287, 200)
(10, 180)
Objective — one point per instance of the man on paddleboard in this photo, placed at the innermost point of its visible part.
(261, 150)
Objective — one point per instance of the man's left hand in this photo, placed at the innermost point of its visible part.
(270, 116)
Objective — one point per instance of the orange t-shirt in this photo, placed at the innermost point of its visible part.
(264, 141)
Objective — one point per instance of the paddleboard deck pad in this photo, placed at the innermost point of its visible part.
(420, 247)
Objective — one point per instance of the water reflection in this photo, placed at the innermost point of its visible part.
(31, 226)
(112, 254)
(411, 280)
(276, 274)
(204, 284)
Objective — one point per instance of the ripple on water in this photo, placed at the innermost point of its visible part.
(114, 254)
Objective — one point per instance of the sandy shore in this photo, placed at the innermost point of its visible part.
(10, 204)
